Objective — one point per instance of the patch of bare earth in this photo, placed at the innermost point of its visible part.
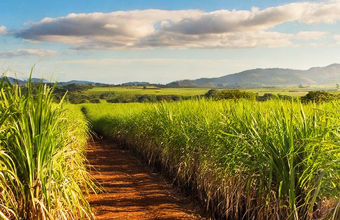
(132, 189)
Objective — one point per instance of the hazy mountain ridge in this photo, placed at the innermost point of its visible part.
(329, 75)
(279, 77)
(82, 82)
(136, 83)
(38, 80)
(15, 81)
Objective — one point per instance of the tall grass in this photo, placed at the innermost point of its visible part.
(243, 159)
(42, 169)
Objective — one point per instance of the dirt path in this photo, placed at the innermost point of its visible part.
(133, 191)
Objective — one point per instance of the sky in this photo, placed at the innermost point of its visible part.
(160, 41)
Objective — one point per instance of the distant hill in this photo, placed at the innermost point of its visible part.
(16, 81)
(329, 75)
(82, 82)
(136, 83)
(278, 77)
(38, 80)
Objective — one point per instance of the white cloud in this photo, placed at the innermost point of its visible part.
(117, 29)
(310, 35)
(27, 52)
(183, 29)
(224, 21)
(3, 30)
(225, 40)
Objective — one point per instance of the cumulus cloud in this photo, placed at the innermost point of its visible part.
(122, 28)
(225, 21)
(310, 35)
(183, 29)
(228, 40)
(3, 30)
(27, 52)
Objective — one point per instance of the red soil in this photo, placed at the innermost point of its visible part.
(132, 189)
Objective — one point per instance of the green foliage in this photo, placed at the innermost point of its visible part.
(78, 94)
(107, 95)
(72, 88)
(244, 159)
(320, 96)
(146, 98)
(77, 98)
(270, 96)
(113, 97)
(42, 164)
(229, 94)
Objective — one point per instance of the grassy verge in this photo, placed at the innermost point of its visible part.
(243, 159)
(42, 164)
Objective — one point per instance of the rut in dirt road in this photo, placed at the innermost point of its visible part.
(133, 191)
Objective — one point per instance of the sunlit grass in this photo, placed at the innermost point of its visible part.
(138, 90)
(42, 163)
(151, 90)
(243, 159)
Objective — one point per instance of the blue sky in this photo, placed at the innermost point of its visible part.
(161, 41)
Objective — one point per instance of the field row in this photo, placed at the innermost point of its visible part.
(151, 90)
(42, 156)
(243, 159)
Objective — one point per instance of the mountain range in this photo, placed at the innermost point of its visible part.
(82, 82)
(38, 80)
(278, 77)
(329, 75)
